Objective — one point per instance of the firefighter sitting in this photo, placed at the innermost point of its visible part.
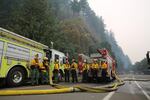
(74, 68)
(56, 71)
(67, 71)
(85, 72)
(34, 68)
(44, 76)
(95, 69)
(104, 67)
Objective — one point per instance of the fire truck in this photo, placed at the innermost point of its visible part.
(81, 58)
(101, 56)
(16, 53)
(110, 61)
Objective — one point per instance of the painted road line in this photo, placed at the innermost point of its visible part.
(144, 92)
(107, 97)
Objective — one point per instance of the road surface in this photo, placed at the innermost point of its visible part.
(130, 91)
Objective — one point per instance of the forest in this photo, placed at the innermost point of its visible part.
(71, 24)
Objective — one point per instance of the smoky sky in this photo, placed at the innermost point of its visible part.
(130, 21)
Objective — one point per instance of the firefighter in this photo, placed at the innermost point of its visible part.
(61, 74)
(104, 67)
(34, 68)
(56, 71)
(67, 71)
(85, 72)
(90, 74)
(95, 68)
(44, 70)
(74, 68)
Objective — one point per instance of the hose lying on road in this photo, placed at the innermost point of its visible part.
(57, 86)
(96, 90)
(64, 89)
(35, 92)
(60, 90)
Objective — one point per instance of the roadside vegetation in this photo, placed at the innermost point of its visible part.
(71, 24)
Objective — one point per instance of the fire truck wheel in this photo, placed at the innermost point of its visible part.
(15, 77)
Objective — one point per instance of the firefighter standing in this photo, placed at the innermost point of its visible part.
(95, 68)
(67, 71)
(85, 71)
(73, 68)
(34, 68)
(44, 76)
(56, 71)
(104, 67)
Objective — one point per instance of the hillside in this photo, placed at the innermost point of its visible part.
(71, 24)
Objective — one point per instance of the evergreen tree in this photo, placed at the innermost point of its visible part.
(76, 7)
(71, 24)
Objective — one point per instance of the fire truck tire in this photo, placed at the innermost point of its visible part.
(15, 77)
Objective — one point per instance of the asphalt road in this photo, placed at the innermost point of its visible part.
(130, 91)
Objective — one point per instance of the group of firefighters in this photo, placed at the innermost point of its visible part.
(40, 70)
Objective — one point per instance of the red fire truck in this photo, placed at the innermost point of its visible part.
(101, 55)
(110, 61)
(81, 58)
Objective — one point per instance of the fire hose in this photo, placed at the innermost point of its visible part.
(65, 89)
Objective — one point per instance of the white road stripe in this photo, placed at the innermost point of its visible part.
(144, 92)
(107, 97)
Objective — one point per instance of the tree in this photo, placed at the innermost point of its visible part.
(35, 18)
(61, 9)
(6, 9)
(76, 8)
(71, 24)
(84, 5)
(141, 66)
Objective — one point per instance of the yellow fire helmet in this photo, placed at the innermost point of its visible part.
(37, 55)
(57, 60)
(45, 58)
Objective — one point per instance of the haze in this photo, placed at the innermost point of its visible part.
(130, 21)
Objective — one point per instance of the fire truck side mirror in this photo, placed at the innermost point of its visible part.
(147, 56)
